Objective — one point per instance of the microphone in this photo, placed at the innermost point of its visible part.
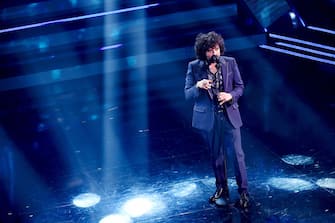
(214, 59)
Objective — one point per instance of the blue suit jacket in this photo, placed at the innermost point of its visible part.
(203, 109)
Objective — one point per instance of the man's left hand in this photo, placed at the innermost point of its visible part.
(224, 97)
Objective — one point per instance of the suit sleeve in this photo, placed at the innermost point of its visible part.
(190, 90)
(238, 84)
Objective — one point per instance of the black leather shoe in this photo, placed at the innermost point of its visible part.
(220, 197)
(244, 201)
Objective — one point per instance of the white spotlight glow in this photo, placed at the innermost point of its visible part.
(296, 54)
(297, 160)
(86, 200)
(111, 47)
(326, 183)
(71, 19)
(276, 36)
(305, 49)
(321, 29)
(290, 184)
(116, 218)
(138, 206)
(183, 189)
(292, 15)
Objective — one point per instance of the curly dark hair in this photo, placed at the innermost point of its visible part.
(205, 41)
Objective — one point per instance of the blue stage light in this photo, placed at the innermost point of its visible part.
(131, 61)
(111, 47)
(326, 183)
(290, 184)
(86, 200)
(292, 15)
(94, 117)
(73, 2)
(295, 40)
(116, 218)
(183, 189)
(94, 15)
(297, 160)
(43, 45)
(321, 29)
(55, 74)
(306, 49)
(143, 205)
(138, 206)
(301, 55)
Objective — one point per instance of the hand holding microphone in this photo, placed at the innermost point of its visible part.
(213, 64)
(204, 84)
(224, 97)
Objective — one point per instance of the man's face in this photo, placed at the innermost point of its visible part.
(213, 51)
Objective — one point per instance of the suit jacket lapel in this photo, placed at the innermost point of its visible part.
(224, 71)
(203, 70)
(204, 75)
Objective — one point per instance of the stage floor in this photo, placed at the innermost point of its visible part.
(95, 126)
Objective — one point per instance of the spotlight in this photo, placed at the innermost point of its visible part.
(138, 206)
(292, 15)
(56, 74)
(116, 218)
(294, 19)
(297, 160)
(86, 200)
(290, 184)
(326, 183)
(73, 2)
(143, 205)
(183, 189)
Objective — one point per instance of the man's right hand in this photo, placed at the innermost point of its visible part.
(204, 84)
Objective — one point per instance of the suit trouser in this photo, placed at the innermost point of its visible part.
(224, 143)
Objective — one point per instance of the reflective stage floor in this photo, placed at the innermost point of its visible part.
(55, 168)
(95, 127)
(173, 184)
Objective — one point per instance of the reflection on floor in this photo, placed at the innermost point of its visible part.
(172, 186)
(90, 135)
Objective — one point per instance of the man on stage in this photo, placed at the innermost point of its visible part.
(214, 82)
